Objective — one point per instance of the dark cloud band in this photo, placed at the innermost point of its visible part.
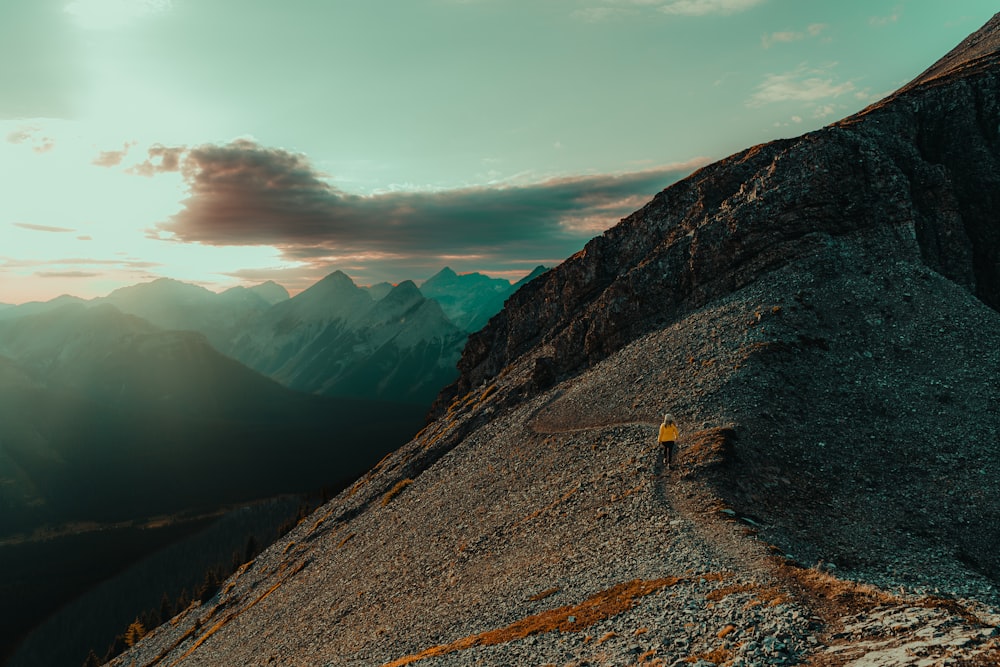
(245, 194)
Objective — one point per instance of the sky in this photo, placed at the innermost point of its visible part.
(228, 142)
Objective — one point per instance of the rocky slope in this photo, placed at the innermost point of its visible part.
(820, 314)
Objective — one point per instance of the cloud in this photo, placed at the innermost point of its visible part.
(824, 111)
(66, 274)
(599, 14)
(75, 267)
(245, 194)
(705, 7)
(44, 146)
(161, 159)
(112, 158)
(22, 134)
(879, 21)
(29, 134)
(42, 228)
(813, 30)
(803, 84)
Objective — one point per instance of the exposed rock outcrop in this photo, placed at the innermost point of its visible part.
(916, 176)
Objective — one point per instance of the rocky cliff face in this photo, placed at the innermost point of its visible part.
(819, 313)
(916, 175)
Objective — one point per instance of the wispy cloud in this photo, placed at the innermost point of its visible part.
(893, 17)
(42, 228)
(112, 158)
(77, 265)
(705, 7)
(30, 134)
(803, 84)
(66, 274)
(814, 30)
(161, 159)
(245, 194)
(21, 134)
(599, 14)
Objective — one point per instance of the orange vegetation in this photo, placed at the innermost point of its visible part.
(570, 618)
(394, 491)
(719, 656)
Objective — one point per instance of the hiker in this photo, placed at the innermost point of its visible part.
(668, 436)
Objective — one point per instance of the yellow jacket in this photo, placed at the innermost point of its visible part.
(668, 432)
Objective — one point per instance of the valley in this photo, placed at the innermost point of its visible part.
(126, 431)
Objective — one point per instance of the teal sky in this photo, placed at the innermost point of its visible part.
(226, 142)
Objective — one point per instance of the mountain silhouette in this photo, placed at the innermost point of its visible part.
(819, 314)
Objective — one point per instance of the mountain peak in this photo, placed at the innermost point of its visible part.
(975, 53)
(337, 283)
(404, 291)
(158, 288)
(338, 277)
(271, 292)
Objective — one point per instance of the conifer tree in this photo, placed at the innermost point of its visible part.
(135, 632)
(166, 608)
(251, 550)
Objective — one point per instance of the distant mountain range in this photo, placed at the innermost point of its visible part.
(158, 391)
(385, 342)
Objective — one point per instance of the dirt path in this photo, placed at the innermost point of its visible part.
(697, 507)
(857, 625)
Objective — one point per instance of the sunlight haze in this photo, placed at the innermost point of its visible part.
(226, 143)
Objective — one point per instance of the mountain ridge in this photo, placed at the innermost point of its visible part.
(282, 336)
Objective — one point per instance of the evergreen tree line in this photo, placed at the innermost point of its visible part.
(212, 579)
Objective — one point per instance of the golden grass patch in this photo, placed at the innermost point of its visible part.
(719, 656)
(396, 490)
(570, 618)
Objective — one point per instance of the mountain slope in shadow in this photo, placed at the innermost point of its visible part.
(105, 417)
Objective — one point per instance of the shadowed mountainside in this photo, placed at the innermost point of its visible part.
(819, 313)
(103, 417)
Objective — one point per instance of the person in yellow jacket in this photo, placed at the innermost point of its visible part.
(668, 438)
